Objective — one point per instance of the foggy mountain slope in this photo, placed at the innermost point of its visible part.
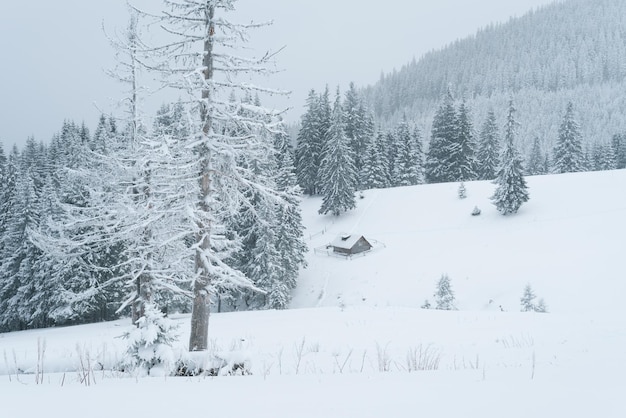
(568, 51)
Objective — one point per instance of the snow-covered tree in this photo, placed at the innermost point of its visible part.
(462, 191)
(536, 161)
(337, 172)
(391, 150)
(511, 191)
(602, 158)
(290, 230)
(16, 287)
(528, 299)
(618, 144)
(461, 152)
(271, 249)
(541, 306)
(444, 295)
(149, 349)
(418, 153)
(103, 135)
(407, 166)
(375, 173)
(309, 146)
(7, 193)
(488, 155)
(528, 303)
(198, 61)
(355, 124)
(568, 153)
(443, 136)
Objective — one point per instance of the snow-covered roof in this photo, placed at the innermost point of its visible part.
(346, 241)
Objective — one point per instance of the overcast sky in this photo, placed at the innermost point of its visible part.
(55, 53)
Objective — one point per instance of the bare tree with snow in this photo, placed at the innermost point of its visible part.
(200, 60)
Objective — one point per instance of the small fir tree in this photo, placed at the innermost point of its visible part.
(462, 192)
(541, 306)
(150, 344)
(528, 299)
(444, 296)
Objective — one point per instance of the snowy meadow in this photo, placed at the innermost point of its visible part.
(356, 341)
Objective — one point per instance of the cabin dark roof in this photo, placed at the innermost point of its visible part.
(350, 243)
(345, 241)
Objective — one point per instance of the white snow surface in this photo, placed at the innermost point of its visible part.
(355, 335)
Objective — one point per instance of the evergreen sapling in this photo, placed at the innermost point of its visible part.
(444, 296)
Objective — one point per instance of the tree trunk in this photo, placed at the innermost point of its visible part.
(198, 339)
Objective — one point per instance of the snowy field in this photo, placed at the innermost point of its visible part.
(357, 344)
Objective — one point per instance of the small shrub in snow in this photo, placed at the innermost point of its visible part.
(475, 211)
(149, 349)
(426, 305)
(444, 296)
(235, 361)
(423, 358)
(541, 306)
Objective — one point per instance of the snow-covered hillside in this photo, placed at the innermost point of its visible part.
(358, 345)
(567, 242)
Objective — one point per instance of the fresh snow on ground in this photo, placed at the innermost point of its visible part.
(567, 242)
(355, 335)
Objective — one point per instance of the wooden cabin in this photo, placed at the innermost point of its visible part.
(348, 244)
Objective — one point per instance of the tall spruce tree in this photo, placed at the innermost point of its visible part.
(271, 250)
(338, 172)
(309, 146)
(391, 150)
(419, 154)
(20, 253)
(618, 145)
(511, 191)
(325, 115)
(443, 135)
(355, 119)
(375, 173)
(536, 160)
(5, 195)
(407, 167)
(290, 230)
(602, 158)
(461, 151)
(488, 155)
(568, 152)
